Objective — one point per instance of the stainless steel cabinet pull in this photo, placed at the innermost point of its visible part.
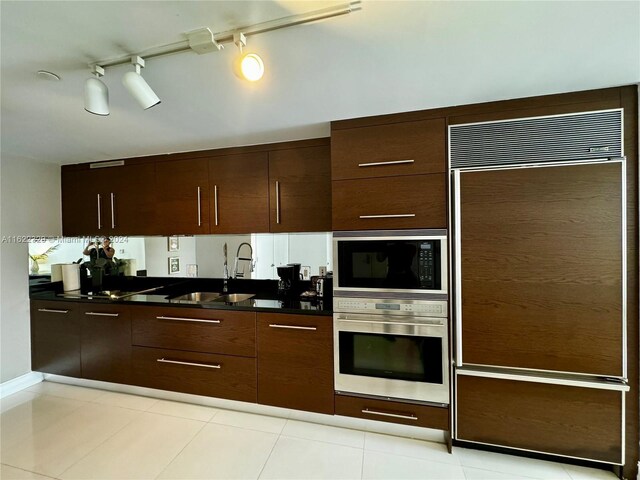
(215, 203)
(199, 320)
(375, 164)
(435, 323)
(192, 364)
(199, 210)
(100, 314)
(113, 210)
(277, 202)
(99, 217)
(394, 415)
(50, 310)
(292, 327)
(399, 215)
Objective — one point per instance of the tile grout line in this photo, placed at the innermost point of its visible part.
(29, 471)
(204, 424)
(270, 453)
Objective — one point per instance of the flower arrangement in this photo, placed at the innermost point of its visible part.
(41, 257)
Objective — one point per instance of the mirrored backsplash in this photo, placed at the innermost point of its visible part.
(196, 256)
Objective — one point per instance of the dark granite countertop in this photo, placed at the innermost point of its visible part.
(264, 301)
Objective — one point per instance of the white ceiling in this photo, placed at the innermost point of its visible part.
(392, 56)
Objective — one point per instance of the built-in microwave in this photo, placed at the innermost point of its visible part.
(405, 261)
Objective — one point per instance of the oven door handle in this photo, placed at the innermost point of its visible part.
(435, 323)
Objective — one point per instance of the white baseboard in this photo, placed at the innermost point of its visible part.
(336, 421)
(20, 383)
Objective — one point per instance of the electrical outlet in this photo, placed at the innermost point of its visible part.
(323, 271)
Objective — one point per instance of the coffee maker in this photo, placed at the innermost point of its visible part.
(289, 283)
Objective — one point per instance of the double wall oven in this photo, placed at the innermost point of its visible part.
(390, 314)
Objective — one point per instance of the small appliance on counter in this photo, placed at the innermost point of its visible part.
(289, 285)
(324, 286)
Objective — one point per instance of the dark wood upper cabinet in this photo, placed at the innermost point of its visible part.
(408, 201)
(542, 270)
(300, 189)
(105, 342)
(111, 200)
(239, 193)
(182, 191)
(55, 338)
(405, 148)
(295, 362)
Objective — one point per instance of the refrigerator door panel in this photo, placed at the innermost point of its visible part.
(539, 267)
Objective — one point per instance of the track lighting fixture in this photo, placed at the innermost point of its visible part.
(138, 87)
(96, 94)
(248, 66)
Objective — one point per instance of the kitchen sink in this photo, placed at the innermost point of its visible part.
(234, 297)
(197, 297)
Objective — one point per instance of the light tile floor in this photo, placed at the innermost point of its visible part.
(53, 430)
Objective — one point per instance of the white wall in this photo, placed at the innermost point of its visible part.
(29, 205)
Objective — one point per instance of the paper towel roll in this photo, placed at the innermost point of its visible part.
(131, 267)
(71, 277)
(56, 272)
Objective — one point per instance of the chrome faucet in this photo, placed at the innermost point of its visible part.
(246, 259)
(225, 285)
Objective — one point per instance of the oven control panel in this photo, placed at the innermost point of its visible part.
(425, 308)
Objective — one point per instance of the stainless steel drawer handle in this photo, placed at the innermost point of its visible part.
(191, 364)
(277, 201)
(200, 210)
(100, 314)
(292, 327)
(113, 210)
(376, 164)
(199, 320)
(51, 310)
(394, 415)
(99, 208)
(215, 203)
(398, 215)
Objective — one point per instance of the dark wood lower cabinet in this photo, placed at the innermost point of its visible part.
(222, 376)
(563, 420)
(106, 343)
(295, 362)
(394, 412)
(55, 338)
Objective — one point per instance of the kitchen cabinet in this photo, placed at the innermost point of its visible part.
(564, 420)
(198, 351)
(392, 411)
(55, 338)
(404, 148)
(239, 193)
(300, 189)
(105, 350)
(409, 201)
(295, 362)
(182, 203)
(114, 200)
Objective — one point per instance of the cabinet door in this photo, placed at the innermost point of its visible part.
(83, 204)
(410, 201)
(182, 204)
(131, 199)
(55, 338)
(564, 420)
(300, 189)
(106, 342)
(238, 193)
(295, 362)
(407, 148)
(541, 263)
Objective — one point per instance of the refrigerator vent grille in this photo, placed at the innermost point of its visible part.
(559, 138)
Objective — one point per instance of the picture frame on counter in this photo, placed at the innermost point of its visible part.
(174, 265)
(173, 244)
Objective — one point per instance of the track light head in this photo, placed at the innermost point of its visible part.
(96, 93)
(138, 87)
(248, 66)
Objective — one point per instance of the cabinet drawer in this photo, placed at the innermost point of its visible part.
(223, 376)
(564, 420)
(407, 148)
(197, 330)
(394, 412)
(415, 201)
(295, 362)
